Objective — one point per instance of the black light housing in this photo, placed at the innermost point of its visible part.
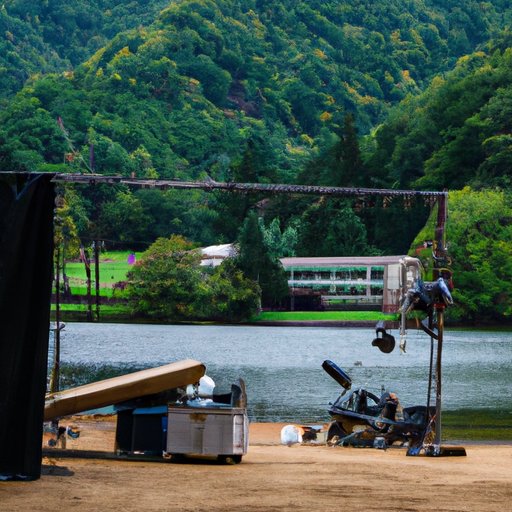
(386, 342)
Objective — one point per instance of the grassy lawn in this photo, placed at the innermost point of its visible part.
(113, 268)
(78, 312)
(477, 425)
(297, 316)
(117, 308)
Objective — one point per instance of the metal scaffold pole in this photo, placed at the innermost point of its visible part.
(439, 354)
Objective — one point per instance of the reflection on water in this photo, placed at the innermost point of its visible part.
(282, 365)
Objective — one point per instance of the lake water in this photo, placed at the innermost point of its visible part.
(282, 365)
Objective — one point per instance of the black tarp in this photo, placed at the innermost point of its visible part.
(26, 248)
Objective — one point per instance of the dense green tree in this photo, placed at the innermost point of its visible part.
(256, 263)
(338, 160)
(124, 220)
(168, 283)
(233, 297)
(77, 210)
(352, 170)
(197, 81)
(479, 236)
(183, 212)
(234, 207)
(331, 228)
(166, 280)
(66, 232)
(280, 244)
(76, 29)
(23, 53)
(249, 91)
(455, 132)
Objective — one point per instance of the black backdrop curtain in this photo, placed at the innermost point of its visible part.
(26, 248)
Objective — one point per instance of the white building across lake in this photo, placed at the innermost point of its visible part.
(366, 282)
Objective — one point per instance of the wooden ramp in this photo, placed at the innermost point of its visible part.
(126, 387)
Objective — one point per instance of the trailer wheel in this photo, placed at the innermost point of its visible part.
(230, 459)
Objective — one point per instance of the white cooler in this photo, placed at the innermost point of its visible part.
(208, 431)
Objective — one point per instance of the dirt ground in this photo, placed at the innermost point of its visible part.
(270, 477)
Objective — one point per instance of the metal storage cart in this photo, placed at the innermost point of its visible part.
(219, 430)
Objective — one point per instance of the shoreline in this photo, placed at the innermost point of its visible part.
(260, 432)
(79, 317)
(299, 478)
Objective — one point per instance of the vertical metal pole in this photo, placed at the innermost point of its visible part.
(440, 254)
(97, 277)
(440, 236)
(292, 302)
(440, 329)
(430, 373)
(87, 264)
(55, 376)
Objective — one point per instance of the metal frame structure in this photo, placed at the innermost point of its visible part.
(272, 188)
(364, 196)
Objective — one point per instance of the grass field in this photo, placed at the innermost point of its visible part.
(78, 312)
(122, 311)
(113, 269)
(477, 425)
(304, 316)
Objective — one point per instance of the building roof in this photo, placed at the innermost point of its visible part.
(214, 255)
(218, 251)
(339, 261)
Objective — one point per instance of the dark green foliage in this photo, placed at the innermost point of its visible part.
(255, 261)
(123, 219)
(338, 160)
(258, 91)
(479, 232)
(44, 37)
(456, 132)
(75, 28)
(166, 280)
(196, 84)
(23, 53)
(169, 284)
(392, 227)
(331, 228)
(234, 297)
(280, 244)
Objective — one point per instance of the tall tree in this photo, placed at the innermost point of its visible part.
(166, 280)
(234, 207)
(233, 296)
(352, 169)
(279, 243)
(338, 161)
(256, 263)
(168, 283)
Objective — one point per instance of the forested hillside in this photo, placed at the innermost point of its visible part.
(41, 37)
(286, 72)
(385, 93)
(457, 132)
(22, 53)
(76, 28)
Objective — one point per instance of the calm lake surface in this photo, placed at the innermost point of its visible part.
(282, 365)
